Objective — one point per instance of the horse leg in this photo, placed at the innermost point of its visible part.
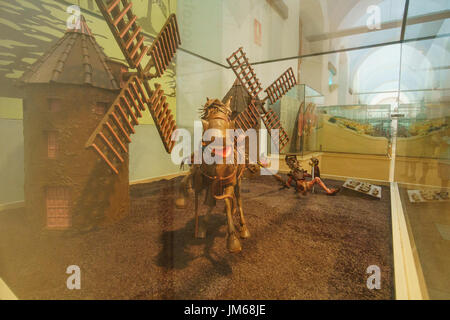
(180, 202)
(233, 243)
(245, 234)
(203, 223)
(196, 233)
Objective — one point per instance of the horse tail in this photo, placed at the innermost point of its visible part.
(189, 159)
(183, 162)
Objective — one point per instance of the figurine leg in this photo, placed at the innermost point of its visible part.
(298, 186)
(304, 187)
(233, 243)
(288, 183)
(324, 187)
(245, 233)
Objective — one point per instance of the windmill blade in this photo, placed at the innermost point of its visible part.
(122, 22)
(162, 116)
(247, 119)
(111, 137)
(245, 73)
(281, 86)
(164, 47)
(113, 134)
(272, 122)
(130, 39)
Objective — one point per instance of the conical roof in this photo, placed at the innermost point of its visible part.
(74, 59)
(241, 98)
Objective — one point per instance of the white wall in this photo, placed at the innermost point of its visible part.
(215, 29)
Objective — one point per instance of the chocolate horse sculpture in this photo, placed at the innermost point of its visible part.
(222, 181)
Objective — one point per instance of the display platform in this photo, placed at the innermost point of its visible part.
(301, 247)
(428, 195)
(363, 187)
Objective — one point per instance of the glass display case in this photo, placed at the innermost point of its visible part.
(358, 129)
(92, 137)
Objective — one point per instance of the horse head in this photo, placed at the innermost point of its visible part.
(216, 120)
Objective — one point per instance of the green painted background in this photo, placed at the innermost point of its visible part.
(29, 27)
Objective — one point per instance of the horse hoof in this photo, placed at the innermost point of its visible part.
(245, 234)
(233, 244)
(180, 203)
(201, 234)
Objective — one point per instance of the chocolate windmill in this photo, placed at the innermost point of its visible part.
(111, 137)
(249, 118)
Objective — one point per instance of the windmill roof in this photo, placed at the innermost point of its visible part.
(76, 58)
(241, 98)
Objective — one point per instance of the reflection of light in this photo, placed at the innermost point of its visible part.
(355, 107)
(380, 69)
(389, 98)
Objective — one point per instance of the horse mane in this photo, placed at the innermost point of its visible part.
(213, 106)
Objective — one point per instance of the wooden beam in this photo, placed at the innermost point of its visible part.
(280, 7)
(442, 15)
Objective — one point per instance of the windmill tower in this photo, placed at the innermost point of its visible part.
(250, 117)
(240, 100)
(66, 93)
(78, 99)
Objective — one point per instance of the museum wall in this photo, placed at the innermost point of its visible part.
(12, 153)
(220, 28)
(197, 78)
(11, 160)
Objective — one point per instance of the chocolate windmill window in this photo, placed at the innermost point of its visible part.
(54, 104)
(52, 144)
(101, 107)
(58, 207)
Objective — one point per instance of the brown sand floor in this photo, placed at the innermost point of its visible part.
(302, 247)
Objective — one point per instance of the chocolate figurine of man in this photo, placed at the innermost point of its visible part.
(297, 176)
